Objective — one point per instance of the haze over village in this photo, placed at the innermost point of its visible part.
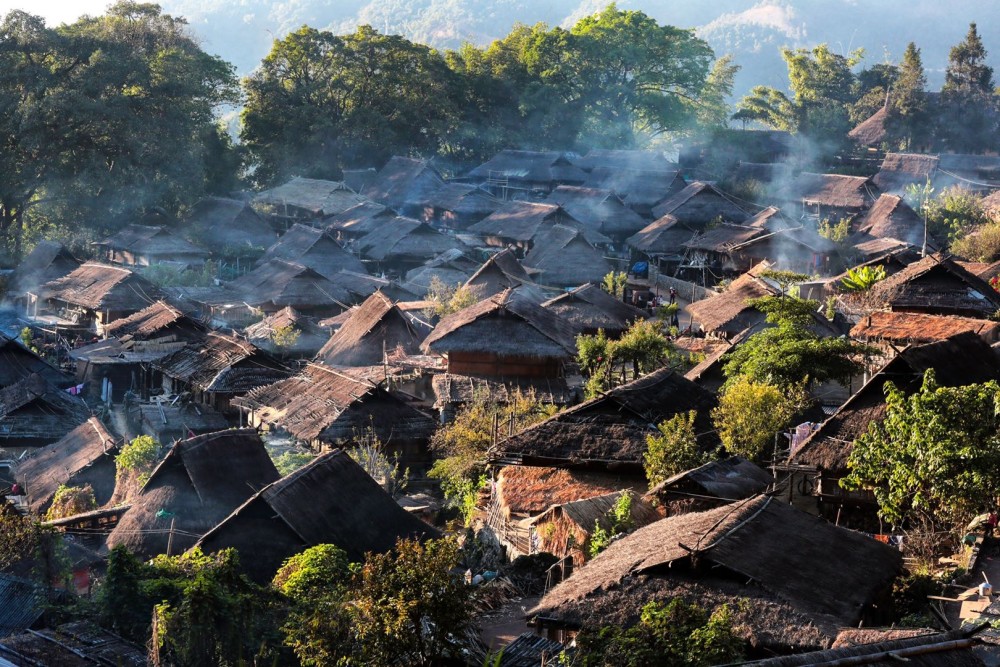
(480, 333)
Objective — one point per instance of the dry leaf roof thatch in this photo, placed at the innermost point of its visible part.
(518, 220)
(361, 219)
(729, 311)
(465, 200)
(278, 283)
(196, 485)
(871, 131)
(563, 257)
(377, 327)
(891, 217)
(540, 168)
(46, 262)
(699, 204)
(331, 500)
(313, 248)
(724, 238)
(18, 363)
(450, 389)
(152, 322)
(103, 287)
(524, 491)
(407, 239)
(311, 196)
(222, 223)
(596, 510)
(151, 241)
(899, 170)
(222, 364)
(311, 337)
(35, 411)
(734, 478)
(501, 271)
(833, 190)
(599, 208)
(404, 182)
(589, 308)
(921, 328)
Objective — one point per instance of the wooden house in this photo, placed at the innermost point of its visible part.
(18, 363)
(324, 407)
(141, 245)
(272, 334)
(801, 578)
(229, 228)
(588, 309)
(699, 204)
(712, 484)
(500, 272)
(902, 328)
(403, 244)
(715, 251)
(378, 327)
(404, 184)
(891, 218)
(562, 257)
(636, 160)
(198, 483)
(217, 369)
(96, 294)
(84, 456)
(305, 199)
(600, 209)
(167, 422)
(47, 261)
(513, 173)
(158, 322)
(358, 220)
(518, 223)
(871, 132)
(313, 248)
(832, 196)
(639, 190)
(458, 205)
(727, 314)
(278, 284)
(662, 242)
(331, 500)
(900, 170)
(35, 413)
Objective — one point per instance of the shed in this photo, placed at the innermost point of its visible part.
(198, 483)
(900, 170)
(500, 272)
(35, 413)
(513, 172)
(637, 160)
(452, 391)
(891, 217)
(277, 284)
(830, 195)
(458, 205)
(312, 248)
(664, 237)
(517, 223)
(728, 313)
(376, 328)
(588, 309)
(405, 243)
(160, 321)
(306, 199)
(331, 500)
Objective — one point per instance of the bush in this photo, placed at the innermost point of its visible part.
(70, 501)
(138, 456)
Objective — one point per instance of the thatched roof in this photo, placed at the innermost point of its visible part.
(563, 257)
(84, 456)
(640, 190)
(531, 167)
(833, 190)
(520, 222)
(406, 238)
(924, 649)
(734, 478)
(227, 225)
(699, 204)
(529, 650)
(908, 328)
(469, 202)
(46, 262)
(891, 217)
(311, 197)
(637, 160)
(34, 409)
(664, 236)
(598, 208)
(363, 285)
(501, 271)
(589, 308)
(452, 389)
(158, 320)
(528, 491)
(729, 312)
(313, 248)
(331, 500)
(151, 242)
(504, 324)
(358, 179)
(311, 337)
(359, 220)
(418, 280)
(871, 131)
(596, 510)
(198, 483)
(324, 404)
(377, 327)
(899, 170)
(935, 284)
(278, 283)
(764, 173)
(611, 429)
(18, 363)
(22, 603)
(78, 644)
(723, 238)
(404, 182)
(222, 364)
(103, 287)
(166, 422)
(823, 576)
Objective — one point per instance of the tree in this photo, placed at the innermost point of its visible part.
(935, 456)
(138, 456)
(609, 363)
(407, 603)
(369, 453)
(285, 338)
(750, 415)
(18, 535)
(983, 246)
(713, 106)
(620, 522)
(674, 449)
(862, 278)
(614, 283)
(448, 299)
(71, 500)
(968, 119)
(908, 122)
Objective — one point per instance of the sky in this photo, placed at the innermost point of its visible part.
(56, 11)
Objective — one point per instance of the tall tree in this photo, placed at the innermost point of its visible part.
(968, 122)
(908, 122)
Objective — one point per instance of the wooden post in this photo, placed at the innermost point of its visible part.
(170, 538)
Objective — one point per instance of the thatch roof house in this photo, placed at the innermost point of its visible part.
(802, 577)
(663, 238)
(229, 228)
(376, 328)
(404, 184)
(218, 368)
(404, 243)
(358, 220)
(831, 195)
(198, 483)
(277, 284)
(46, 262)
(322, 406)
(500, 272)
(518, 223)
(900, 170)
(458, 205)
(141, 245)
(451, 268)
(452, 391)
(588, 309)
(598, 208)
(799, 249)
(728, 313)
(891, 217)
(715, 483)
(167, 422)
(510, 172)
(564, 530)
(871, 131)
(96, 294)
(17, 363)
(935, 285)
(331, 500)
(308, 336)
(306, 199)
(85, 455)
(313, 248)
(637, 160)
(640, 190)
(609, 432)
(160, 321)
(916, 328)
(699, 204)
(35, 413)
(22, 603)
(563, 257)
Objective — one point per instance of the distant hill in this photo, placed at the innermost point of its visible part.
(242, 31)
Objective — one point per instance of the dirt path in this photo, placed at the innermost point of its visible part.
(507, 623)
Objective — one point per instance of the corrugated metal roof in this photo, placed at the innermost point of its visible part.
(20, 604)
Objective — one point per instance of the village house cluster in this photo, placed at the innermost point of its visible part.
(323, 326)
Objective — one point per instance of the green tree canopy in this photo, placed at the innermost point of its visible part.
(750, 414)
(967, 122)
